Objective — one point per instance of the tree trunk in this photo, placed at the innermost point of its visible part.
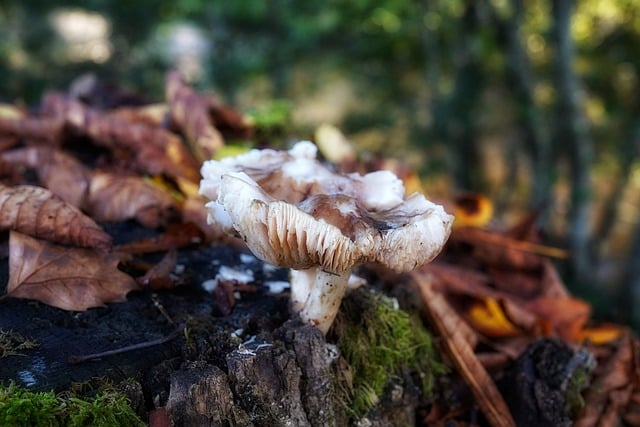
(572, 135)
(529, 115)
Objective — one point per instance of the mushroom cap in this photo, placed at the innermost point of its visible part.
(331, 231)
(278, 232)
(295, 175)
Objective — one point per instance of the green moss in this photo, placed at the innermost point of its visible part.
(578, 381)
(19, 407)
(378, 340)
(22, 408)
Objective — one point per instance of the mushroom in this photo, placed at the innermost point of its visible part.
(293, 212)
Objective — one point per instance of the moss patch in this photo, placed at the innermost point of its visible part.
(379, 341)
(19, 407)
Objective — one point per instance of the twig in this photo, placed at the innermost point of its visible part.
(74, 360)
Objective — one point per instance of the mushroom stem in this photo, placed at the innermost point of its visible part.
(324, 299)
(301, 284)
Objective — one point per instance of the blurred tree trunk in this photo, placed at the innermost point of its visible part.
(529, 115)
(631, 291)
(628, 150)
(571, 134)
(462, 114)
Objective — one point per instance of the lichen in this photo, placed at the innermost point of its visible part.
(13, 344)
(379, 341)
(108, 407)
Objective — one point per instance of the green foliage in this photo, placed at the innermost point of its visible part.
(19, 407)
(379, 341)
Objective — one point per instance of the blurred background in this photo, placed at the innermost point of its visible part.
(534, 104)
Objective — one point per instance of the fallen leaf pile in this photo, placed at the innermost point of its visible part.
(75, 164)
(491, 294)
(71, 165)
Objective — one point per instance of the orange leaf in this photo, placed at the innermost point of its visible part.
(489, 319)
(39, 213)
(602, 334)
(473, 210)
(67, 278)
(566, 316)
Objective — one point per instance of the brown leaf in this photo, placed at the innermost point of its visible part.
(159, 276)
(153, 150)
(189, 110)
(67, 278)
(39, 213)
(57, 171)
(32, 128)
(177, 236)
(117, 198)
(495, 249)
(447, 323)
(612, 387)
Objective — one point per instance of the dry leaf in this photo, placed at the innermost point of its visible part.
(159, 276)
(67, 278)
(612, 388)
(190, 111)
(39, 213)
(118, 198)
(487, 317)
(502, 251)
(565, 317)
(601, 334)
(470, 209)
(177, 236)
(153, 150)
(32, 128)
(57, 171)
(447, 323)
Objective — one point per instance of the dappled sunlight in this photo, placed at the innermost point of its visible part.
(85, 34)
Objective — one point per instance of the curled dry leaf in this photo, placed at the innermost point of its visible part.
(57, 170)
(190, 111)
(67, 278)
(488, 317)
(118, 198)
(153, 149)
(39, 213)
(471, 209)
(447, 323)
